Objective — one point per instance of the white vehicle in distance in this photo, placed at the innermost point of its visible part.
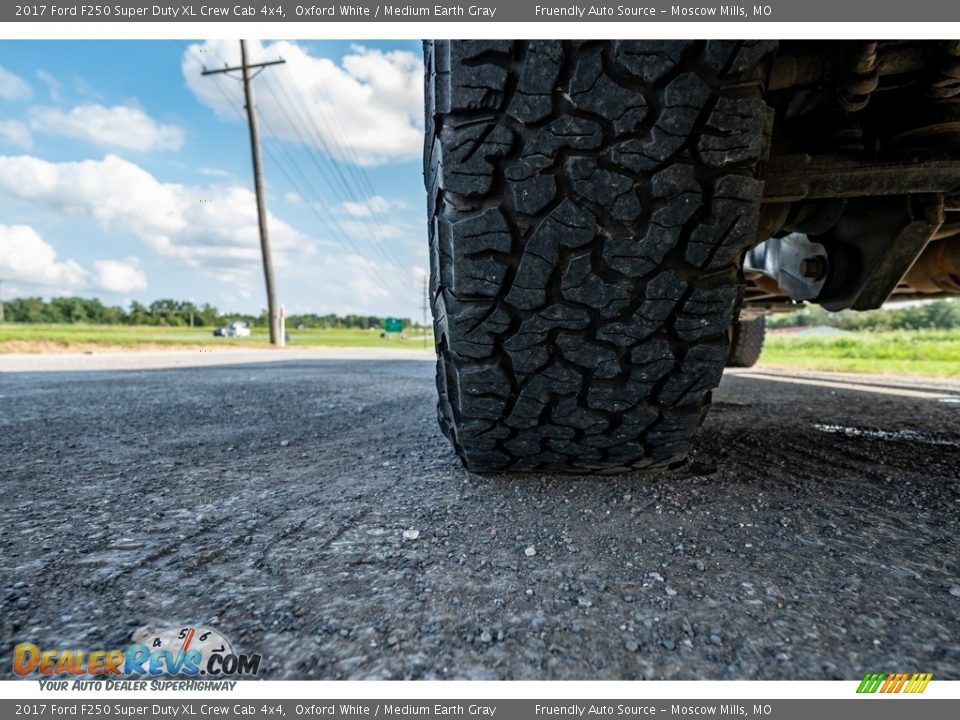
(234, 329)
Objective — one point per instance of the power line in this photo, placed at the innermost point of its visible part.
(344, 191)
(354, 168)
(330, 223)
(339, 234)
(342, 239)
(340, 192)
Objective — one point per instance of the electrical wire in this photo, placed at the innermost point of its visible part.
(343, 191)
(329, 222)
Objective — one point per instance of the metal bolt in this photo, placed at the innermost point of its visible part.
(813, 268)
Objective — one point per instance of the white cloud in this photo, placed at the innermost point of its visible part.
(28, 258)
(120, 276)
(375, 205)
(368, 108)
(16, 133)
(353, 283)
(213, 172)
(214, 228)
(53, 85)
(293, 198)
(84, 89)
(13, 87)
(120, 126)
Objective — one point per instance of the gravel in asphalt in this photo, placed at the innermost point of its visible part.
(311, 511)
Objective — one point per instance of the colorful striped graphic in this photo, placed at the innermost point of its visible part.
(894, 682)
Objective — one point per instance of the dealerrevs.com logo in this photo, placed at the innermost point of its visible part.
(187, 651)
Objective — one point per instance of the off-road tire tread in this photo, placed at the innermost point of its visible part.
(746, 342)
(589, 204)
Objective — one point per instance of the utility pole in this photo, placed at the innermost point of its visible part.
(276, 337)
(1, 300)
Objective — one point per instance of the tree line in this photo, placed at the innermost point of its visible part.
(937, 315)
(165, 312)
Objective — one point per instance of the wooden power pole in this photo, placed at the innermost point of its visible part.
(276, 337)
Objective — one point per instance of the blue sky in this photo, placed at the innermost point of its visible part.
(125, 174)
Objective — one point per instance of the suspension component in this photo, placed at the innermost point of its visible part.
(859, 79)
(798, 265)
(937, 270)
(947, 82)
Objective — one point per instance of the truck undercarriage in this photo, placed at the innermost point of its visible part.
(862, 184)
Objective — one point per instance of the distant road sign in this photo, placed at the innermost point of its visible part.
(394, 325)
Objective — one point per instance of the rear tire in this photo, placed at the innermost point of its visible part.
(746, 342)
(589, 204)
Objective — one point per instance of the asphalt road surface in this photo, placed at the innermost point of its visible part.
(310, 510)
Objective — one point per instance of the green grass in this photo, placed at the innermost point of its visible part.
(15, 337)
(932, 353)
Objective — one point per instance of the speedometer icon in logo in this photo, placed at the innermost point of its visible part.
(189, 650)
(176, 640)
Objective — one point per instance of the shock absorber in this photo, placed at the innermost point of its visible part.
(859, 79)
(946, 83)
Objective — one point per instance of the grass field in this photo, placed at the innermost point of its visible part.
(932, 353)
(53, 338)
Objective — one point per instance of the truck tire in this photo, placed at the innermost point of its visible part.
(589, 206)
(746, 342)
